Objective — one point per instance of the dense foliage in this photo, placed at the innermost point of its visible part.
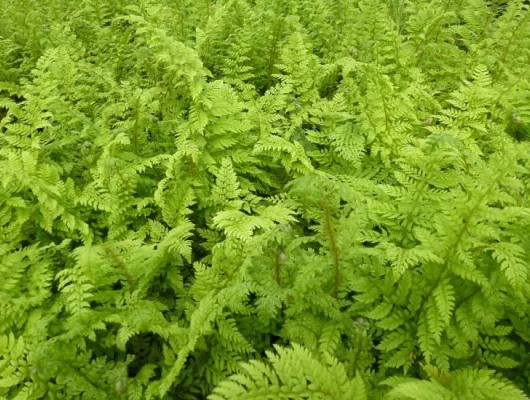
(264, 199)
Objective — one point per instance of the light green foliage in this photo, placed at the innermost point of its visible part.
(284, 199)
(295, 374)
(459, 385)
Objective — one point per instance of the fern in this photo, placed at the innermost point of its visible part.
(215, 199)
(462, 384)
(293, 374)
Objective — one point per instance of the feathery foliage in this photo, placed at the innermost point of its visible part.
(281, 199)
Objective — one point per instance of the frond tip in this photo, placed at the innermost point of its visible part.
(465, 384)
(293, 373)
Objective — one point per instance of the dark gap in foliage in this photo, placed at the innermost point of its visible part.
(147, 349)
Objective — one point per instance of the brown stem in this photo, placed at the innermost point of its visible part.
(121, 266)
(136, 125)
(330, 230)
(277, 262)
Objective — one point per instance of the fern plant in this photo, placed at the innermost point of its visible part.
(239, 199)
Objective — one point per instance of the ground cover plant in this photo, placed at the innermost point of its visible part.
(264, 199)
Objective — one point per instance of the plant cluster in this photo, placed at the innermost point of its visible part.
(265, 199)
